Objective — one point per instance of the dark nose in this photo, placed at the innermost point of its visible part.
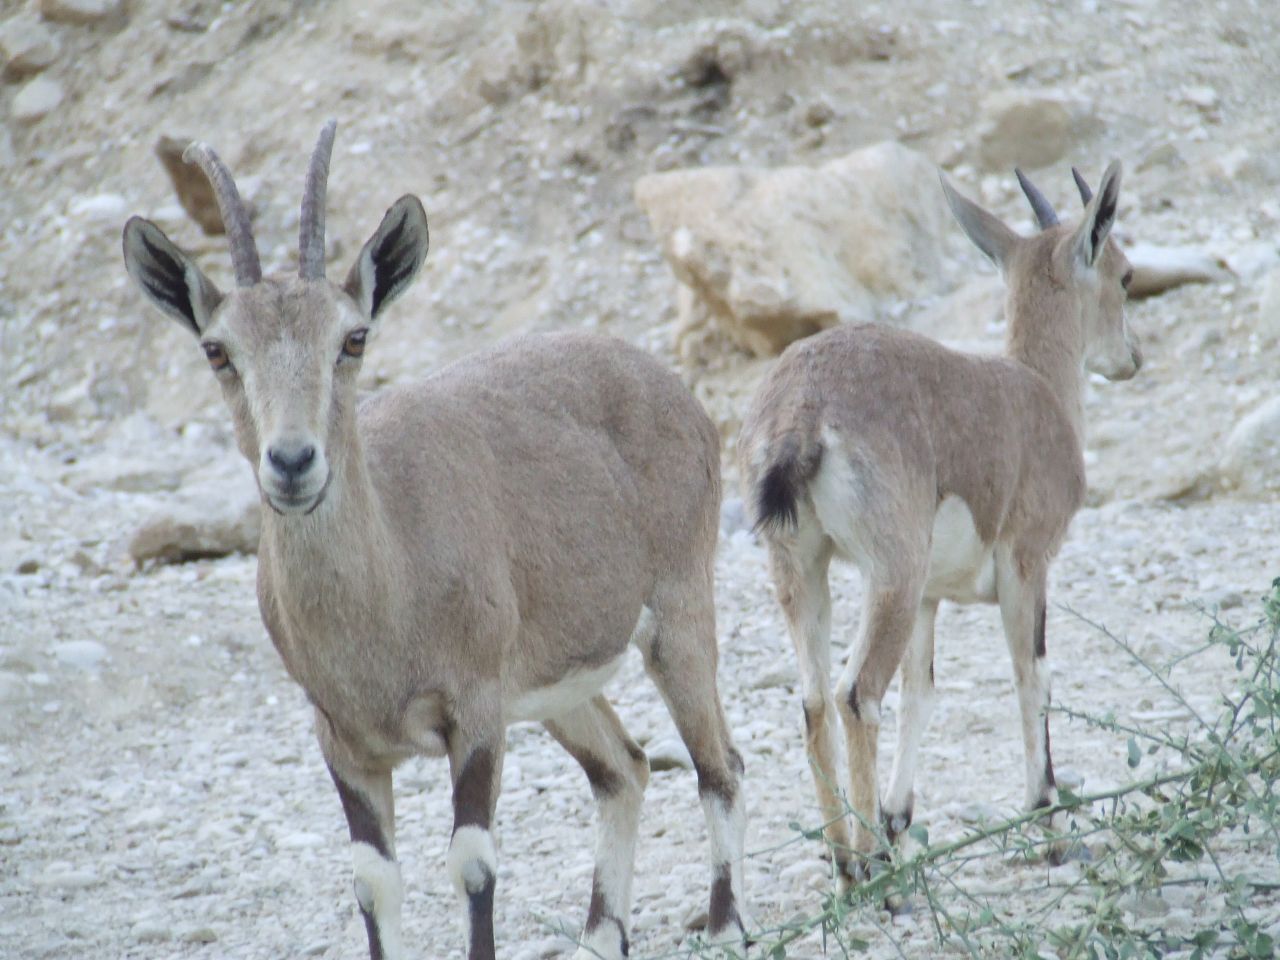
(292, 464)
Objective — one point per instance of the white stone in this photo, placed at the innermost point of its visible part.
(668, 754)
(150, 931)
(61, 875)
(1268, 324)
(1157, 268)
(301, 840)
(1250, 463)
(36, 100)
(26, 46)
(100, 208)
(79, 11)
(128, 474)
(85, 654)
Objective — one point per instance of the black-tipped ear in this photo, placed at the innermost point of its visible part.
(987, 232)
(1099, 217)
(168, 276)
(392, 257)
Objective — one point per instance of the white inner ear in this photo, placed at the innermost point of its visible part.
(196, 290)
(367, 279)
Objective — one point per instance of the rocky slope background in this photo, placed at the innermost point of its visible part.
(584, 165)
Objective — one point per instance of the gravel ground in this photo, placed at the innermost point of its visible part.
(163, 795)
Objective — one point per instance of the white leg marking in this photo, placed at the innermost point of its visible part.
(470, 863)
(380, 891)
(471, 854)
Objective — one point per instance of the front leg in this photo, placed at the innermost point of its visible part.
(475, 763)
(365, 792)
(1022, 608)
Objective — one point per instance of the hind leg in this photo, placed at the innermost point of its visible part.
(618, 771)
(799, 568)
(915, 704)
(680, 655)
(888, 619)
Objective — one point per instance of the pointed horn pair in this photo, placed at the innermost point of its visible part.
(244, 252)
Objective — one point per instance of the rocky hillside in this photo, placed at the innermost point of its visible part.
(142, 711)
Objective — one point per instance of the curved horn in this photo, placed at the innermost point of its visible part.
(311, 226)
(235, 219)
(1085, 193)
(1043, 209)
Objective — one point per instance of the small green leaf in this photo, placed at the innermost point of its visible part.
(1135, 754)
(919, 834)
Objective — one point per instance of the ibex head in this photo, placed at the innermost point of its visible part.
(286, 351)
(1084, 263)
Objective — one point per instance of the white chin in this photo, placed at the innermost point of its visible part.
(294, 505)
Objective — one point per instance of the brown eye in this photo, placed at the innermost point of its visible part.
(1126, 279)
(216, 356)
(353, 346)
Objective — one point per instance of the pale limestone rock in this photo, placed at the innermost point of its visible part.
(1268, 324)
(80, 11)
(770, 256)
(1157, 269)
(36, 100)
(100, 208)
(27, 46)
(1251, 462)
(1030, 129)
(213, 514)
(84, 654)
(668, 754)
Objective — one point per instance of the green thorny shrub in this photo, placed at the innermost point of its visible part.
(1215, 789)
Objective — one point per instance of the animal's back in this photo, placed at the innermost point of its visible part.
(955, 424)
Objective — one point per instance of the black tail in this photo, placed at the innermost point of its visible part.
(784, 481)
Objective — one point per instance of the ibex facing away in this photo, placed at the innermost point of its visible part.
(474, 549)
(941, 475)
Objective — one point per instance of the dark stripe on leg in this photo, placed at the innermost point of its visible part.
(1041, 649)
(723, 910)
(472, 792)
(362, 819)
(1048, 757)
(371, 928)
(853, 702)
(598, 914)
(480, 910)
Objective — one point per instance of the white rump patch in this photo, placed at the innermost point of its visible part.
(571, 691)
(837, 494)
(961, 567)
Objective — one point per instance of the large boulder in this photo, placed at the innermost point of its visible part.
(1251, 462)
(1157, 269)
(1031, 128)
(769, 256)
(214, 513)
